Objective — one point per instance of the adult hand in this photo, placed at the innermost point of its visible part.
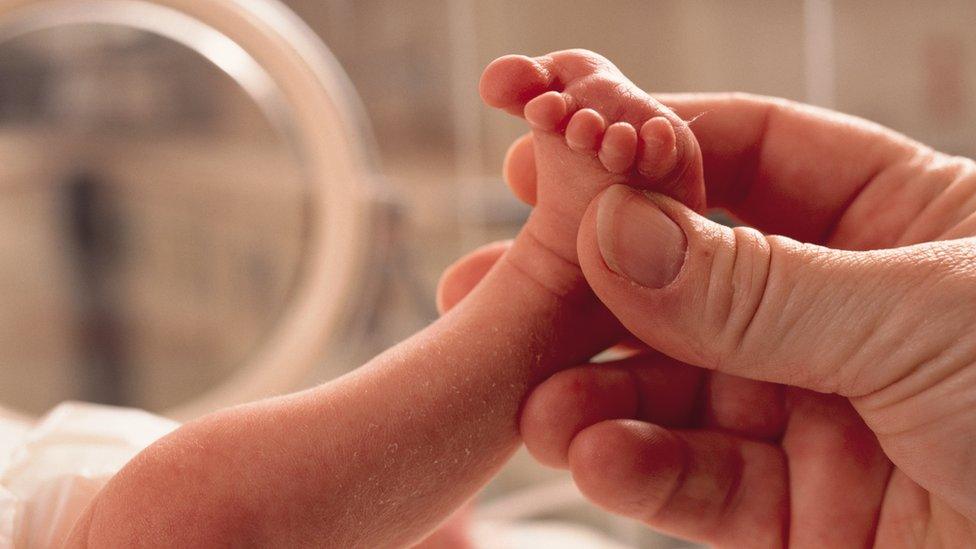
(822, 389)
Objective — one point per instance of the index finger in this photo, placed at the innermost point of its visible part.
(785, 167)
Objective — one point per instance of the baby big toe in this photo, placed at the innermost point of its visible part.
(509, 82)
(585, 131)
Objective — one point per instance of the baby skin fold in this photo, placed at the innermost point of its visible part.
(381, 456)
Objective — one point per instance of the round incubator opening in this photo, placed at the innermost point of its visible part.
(185, 203)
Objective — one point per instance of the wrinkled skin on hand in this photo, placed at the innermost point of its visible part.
(829, 405)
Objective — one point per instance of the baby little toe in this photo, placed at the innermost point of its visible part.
(659, 152)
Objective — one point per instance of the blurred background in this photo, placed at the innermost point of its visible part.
(153, 220)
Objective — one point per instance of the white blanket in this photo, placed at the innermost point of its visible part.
(51, 470)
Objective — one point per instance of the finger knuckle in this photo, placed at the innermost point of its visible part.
(737, 287)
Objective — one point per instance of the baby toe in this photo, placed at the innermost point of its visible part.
(585, 131)
(619, 147)
(509, 82)
(659, 151)
(547, 111)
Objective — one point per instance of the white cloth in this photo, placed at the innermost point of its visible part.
(539, 535)
(51, 470)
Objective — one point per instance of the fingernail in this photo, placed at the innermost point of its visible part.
(637, 240)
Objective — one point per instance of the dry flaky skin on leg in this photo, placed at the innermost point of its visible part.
(380, 457)
(375, 459)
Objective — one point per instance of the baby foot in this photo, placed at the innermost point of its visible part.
(592, 128)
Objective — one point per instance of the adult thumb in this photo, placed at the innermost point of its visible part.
(771, 308)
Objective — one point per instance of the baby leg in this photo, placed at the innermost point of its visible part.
(379, 457)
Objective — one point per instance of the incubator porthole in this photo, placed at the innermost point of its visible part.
(176, 234)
